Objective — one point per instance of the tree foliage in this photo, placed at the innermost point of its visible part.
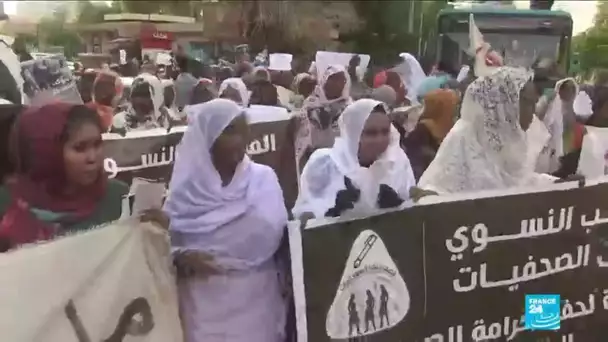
(91, 13)
(592, 46)
(53, 32)
(387, 30)
(181, 8)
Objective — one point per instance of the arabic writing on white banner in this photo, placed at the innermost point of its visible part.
(108, 284)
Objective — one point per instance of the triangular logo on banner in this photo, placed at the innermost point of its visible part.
(372, 295)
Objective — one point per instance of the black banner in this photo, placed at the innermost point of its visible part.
(150, 154)
(467, 267)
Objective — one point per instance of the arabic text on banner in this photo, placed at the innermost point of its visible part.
(108, 284)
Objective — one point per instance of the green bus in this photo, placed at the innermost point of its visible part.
(522, 36)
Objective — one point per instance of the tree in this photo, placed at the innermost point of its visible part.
(25, 41)
(53, 32)
(592, 46)
(393, 26)
(181, 8)
(90, 13)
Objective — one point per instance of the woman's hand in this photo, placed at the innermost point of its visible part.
(572, 178)
(388, 198)
(195, 264)
(304, 219)
(155, 216)
(345, 199)
(417, 193)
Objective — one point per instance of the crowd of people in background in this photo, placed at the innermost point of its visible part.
(360, 147)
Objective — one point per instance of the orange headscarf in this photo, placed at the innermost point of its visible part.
(438, 115)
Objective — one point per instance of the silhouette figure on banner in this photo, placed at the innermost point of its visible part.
(370, 302)
(367, 296)
(383, 312)
(353, 316)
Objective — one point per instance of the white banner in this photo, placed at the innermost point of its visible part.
(110, 284)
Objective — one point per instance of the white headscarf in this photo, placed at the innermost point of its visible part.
(312, 69)
(487, 148)
(319, 97)
(239, 85)
(195, 184)
(11, 61)
(156, 90)
(199, 205)
(155, 119)
(411, 74)
(323, 175)
(583, 106)
(554, 121)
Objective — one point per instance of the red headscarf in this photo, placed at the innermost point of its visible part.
(393, 80)
(105, 111)
(41, 185)
(380, 79)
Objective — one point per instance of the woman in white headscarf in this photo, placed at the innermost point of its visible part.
(234, 89)
(225, 207)
(560, 120)
(365, 170)
(146, 106)
(487, 148)
(411, 74)
(318, 117)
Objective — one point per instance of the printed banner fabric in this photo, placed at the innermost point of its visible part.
(109, 284)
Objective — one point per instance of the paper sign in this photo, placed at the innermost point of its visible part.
(147, 195)
(49, 79)
(280, 61)
(324, 59)
(123, 57)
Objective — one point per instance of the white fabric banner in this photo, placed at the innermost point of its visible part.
(110, 284)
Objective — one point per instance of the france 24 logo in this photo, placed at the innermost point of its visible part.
(542, 312)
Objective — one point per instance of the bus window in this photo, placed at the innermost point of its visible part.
(517, 48)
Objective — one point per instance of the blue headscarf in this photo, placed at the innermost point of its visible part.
(431, 83)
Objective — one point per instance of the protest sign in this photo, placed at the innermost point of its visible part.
(272, 144)
(49, 79)
(467, 265)
(109, 284)
(360, 278)
(324, 59)
(142, 154)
